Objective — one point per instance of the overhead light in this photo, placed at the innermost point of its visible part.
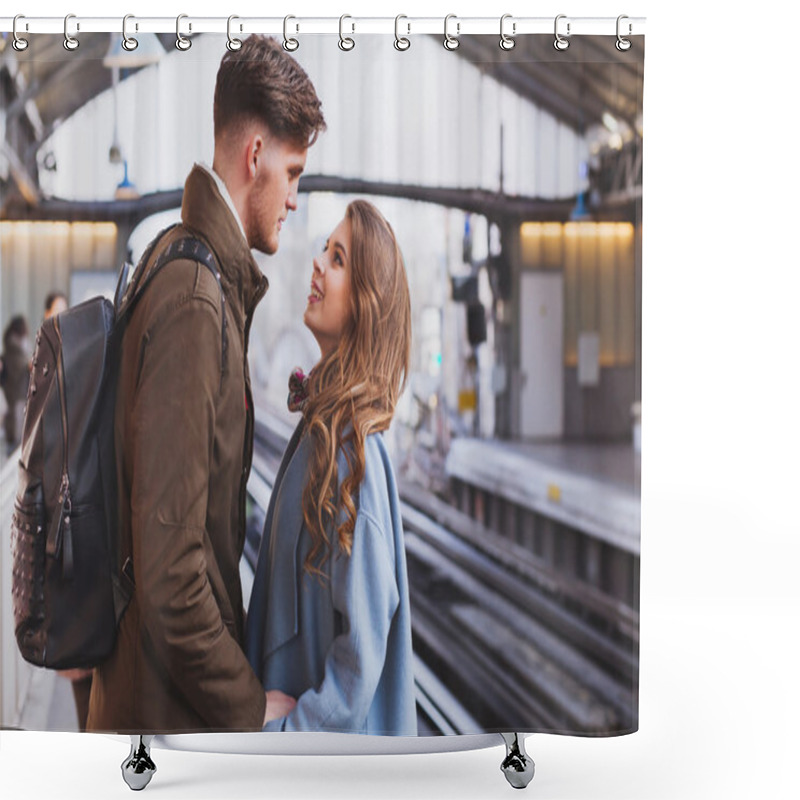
(149, 51)
(581, 210)
(610, 122)
(126, 190)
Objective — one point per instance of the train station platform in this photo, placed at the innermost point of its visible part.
(590, 487)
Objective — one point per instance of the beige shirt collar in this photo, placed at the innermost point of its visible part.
(223, 190)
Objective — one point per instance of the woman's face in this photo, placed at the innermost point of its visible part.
(328, 311)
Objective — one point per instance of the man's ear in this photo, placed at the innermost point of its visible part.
(256, 146)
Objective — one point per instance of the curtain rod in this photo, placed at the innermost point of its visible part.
(186, 24)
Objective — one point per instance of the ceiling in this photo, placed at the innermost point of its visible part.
(592, 79)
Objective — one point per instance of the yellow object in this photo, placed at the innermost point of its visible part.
(467, 400)
(554, 492)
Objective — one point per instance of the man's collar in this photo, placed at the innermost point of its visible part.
(226, 196)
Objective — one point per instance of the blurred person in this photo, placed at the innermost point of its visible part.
(184, 418)
(55, 303)
(14, 378)
(329, 619)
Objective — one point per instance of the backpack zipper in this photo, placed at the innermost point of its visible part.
(60, 535)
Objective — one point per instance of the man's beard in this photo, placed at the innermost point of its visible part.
(256, 237)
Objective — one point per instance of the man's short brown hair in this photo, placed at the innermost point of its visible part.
(260, 81)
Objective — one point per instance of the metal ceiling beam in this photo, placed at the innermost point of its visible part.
(490, 204)
(28, 188)
(515, 77)
(575, 99)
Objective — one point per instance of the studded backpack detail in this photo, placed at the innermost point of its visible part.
(69, 590)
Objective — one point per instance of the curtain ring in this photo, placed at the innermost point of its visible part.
(623, 44)
(232, 44)
(128, 42)
(289, 43)
(70, 42)
(345, 43)
(507, 42)
(19, 43)
(181, 42)
(401, 43)
(451, 42)
(561, 43)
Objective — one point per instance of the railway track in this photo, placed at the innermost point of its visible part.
(500, 643)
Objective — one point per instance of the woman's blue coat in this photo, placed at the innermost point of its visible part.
(342, 647)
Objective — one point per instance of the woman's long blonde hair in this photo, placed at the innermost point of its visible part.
(354, 389)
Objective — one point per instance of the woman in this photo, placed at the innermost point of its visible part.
(329, 620)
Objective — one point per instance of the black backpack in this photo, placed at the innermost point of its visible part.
(69, 590)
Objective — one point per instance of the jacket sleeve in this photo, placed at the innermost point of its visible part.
(364, 591)
(172, 431)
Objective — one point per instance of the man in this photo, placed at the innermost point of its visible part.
(184, 419)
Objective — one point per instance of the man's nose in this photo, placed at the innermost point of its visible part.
(291, 200)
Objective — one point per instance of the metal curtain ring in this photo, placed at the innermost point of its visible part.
(128, 42)
(401, 42)
(70, 42)
(451, 42)
(232, 44)
(181, 42)
(507, 42)
(623, 44)
(561, 43)
(345, 43)
(19, 43)
(289, 43)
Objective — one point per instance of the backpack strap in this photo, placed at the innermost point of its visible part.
(125, 289)
(187, 248)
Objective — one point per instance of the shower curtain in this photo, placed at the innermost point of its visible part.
(509, 167)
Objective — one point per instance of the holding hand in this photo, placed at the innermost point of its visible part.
(278, 705)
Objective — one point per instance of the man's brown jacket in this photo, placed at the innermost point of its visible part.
(184, 437)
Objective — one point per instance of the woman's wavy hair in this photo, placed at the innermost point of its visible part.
(353, 390)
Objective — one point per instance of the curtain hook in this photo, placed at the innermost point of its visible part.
(507, 42)
(128, 42)
(623, 44)
(561, 43)
(401, 42)
(181, 42)
(70, 42)
(232, 44)
(451, 42)
(19, 43)
(345, 43)
(289, 43)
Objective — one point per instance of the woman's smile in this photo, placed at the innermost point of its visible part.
(329, 311)
(316, 293)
